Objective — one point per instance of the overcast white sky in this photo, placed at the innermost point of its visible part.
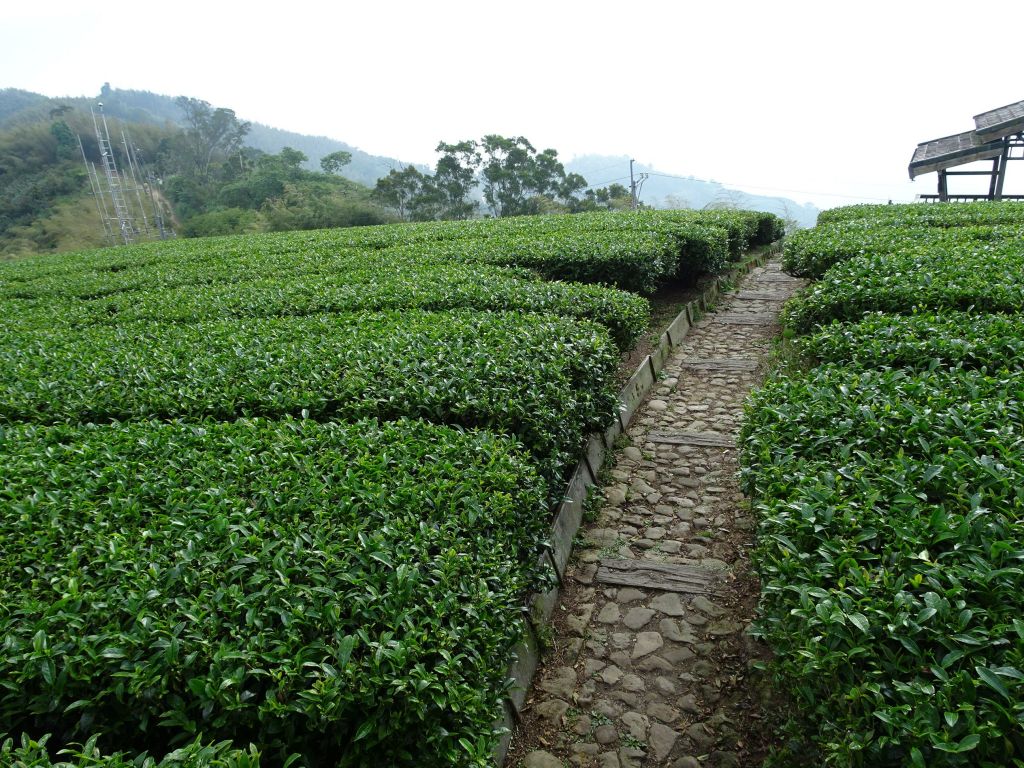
(820, 101)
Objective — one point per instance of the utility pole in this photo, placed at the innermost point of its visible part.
(635, 185)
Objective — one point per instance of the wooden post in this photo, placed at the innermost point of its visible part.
(1002, 169)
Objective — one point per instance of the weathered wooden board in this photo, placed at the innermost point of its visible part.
(668, 577)
(764, 319)
(721, 364)
(761, 296)
(701, 439)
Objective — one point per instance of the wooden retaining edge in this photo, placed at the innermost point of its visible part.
(539, 606)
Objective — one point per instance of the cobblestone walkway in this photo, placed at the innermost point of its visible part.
(650, 660)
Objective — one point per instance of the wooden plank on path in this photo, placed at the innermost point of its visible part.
(668, 577)
(764, 319)
(761, 296)
(721, 364)
(701, 439)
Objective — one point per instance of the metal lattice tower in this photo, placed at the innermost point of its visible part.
(121, 210)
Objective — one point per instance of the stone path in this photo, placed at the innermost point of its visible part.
(650, 662)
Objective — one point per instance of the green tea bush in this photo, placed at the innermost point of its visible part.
(382, 287)
(33, 753)
(544, 379)
(889, 554)
(348, 592)
(983, 212)
(810, 252)
(921, 342)
(983, 276)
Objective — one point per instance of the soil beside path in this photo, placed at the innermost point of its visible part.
(650, 662)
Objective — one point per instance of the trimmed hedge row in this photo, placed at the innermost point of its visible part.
(544, 379)
(984, 277)
(984, 212)
(348, 592)
(921, 342)
(440, 287)
(637, 251)
(890, 483)
(811, 252)
(892, 516)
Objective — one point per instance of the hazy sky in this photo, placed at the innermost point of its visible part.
(821, 101)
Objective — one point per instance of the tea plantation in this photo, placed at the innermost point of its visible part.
(279, 499)
(887, 465)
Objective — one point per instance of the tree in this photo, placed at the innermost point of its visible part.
(516, 176)
(211, 135)
(454, 178)
(334, 162)
(399, 190)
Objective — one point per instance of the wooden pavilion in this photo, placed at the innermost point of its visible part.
(998, 136)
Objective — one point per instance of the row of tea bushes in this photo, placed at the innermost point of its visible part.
(637, 251)
(352, 591)
(385, 286)
(810, 252)
(887, 466)
(544, 379)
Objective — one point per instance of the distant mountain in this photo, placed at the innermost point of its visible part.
(144, 107)
(668, 191)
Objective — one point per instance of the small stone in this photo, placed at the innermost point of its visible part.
(552, 710)
(662, 712)
(592, 666)
(654, 663)
(678, 655)
(701, 736)
(611, 675)
(606, 734)
(662, 739)
(647, 642)
(609, 760)
(637, 725)
(583, 750)
(657, 405)
(621, 639)
(677, 632)
(632, 453)
(631, 757)
(541, 759)
(561, 684)
(656, 533)
(615, 496)
(668, 603)
(688, 703)
(621, 658)
(582, 725)
(633, 683)
(687, 762)
(629, 594)
(602, 537)
(708, 608)
(664, 685)
(636, 617)
(609, 614)
(724, 627)
(608, 708)
(630, 699)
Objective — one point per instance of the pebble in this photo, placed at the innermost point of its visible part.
(647, 642)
